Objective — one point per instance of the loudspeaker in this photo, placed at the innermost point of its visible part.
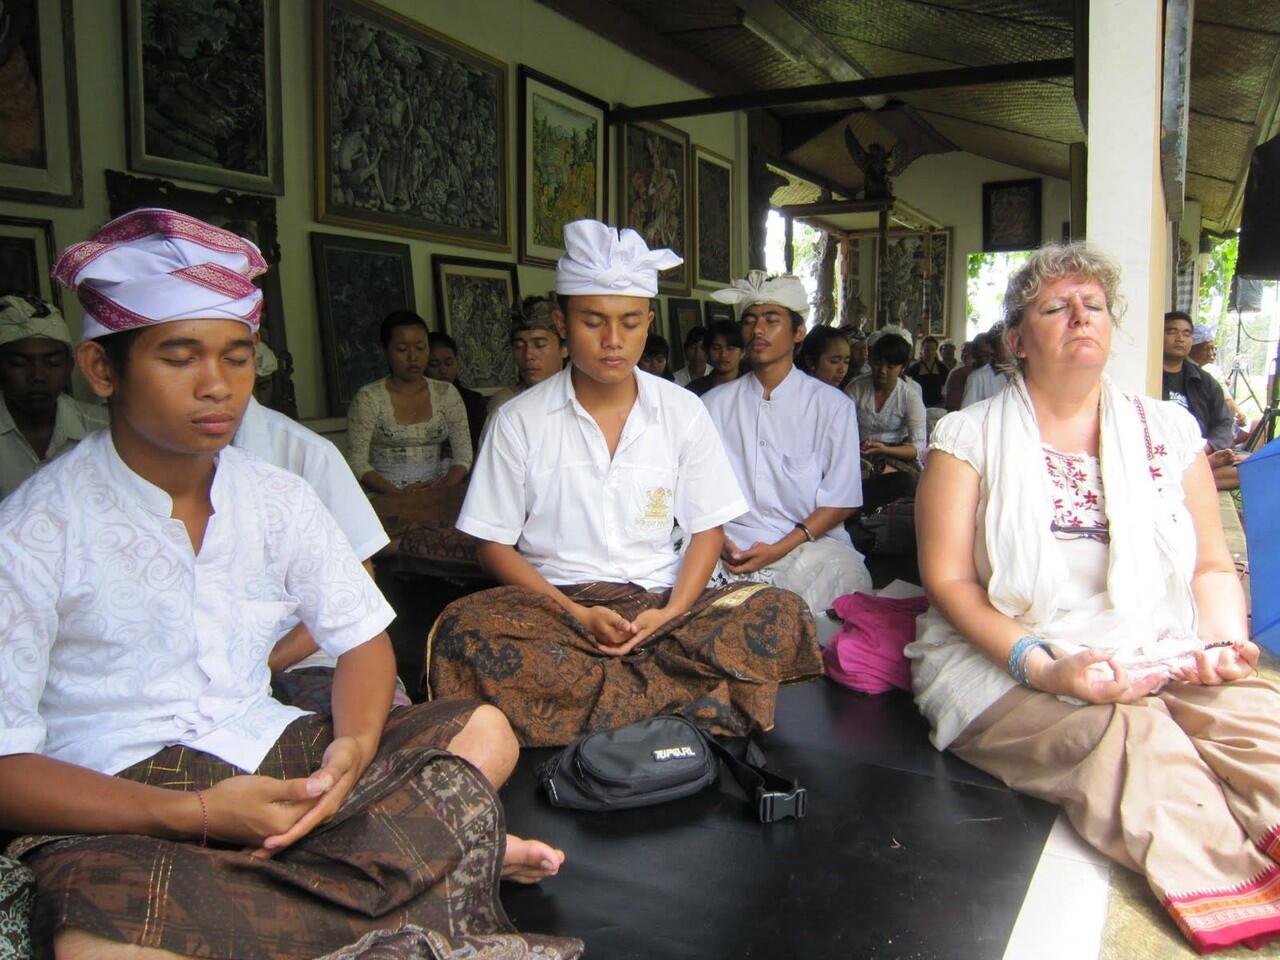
(1260, 216)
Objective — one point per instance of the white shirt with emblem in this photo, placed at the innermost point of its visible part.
(544, 482)
(118, 640)
(792, 453)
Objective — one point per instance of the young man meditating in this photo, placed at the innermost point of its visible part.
(142, 579)
(38, 418)
(599, 495)
(535, 345)
(793, 443)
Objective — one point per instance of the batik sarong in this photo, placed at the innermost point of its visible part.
(410, 863)
(720, 664)
(1183, 787)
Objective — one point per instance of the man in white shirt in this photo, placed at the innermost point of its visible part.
(992, 377)
(599, 496)
(793, 443)
(142, 578)
(695, 355)
(38, 418)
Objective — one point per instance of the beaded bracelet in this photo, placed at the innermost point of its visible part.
(204, 819)
(1018, 658)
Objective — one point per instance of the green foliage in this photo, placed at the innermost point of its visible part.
(1215, 282)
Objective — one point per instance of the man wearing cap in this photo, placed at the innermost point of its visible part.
(38, 418)
(143, 576)
(793, 443)
(535, 345)
(1204, 354)
(599, 496)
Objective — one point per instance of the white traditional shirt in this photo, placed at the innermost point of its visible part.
(683, 377)
(793, 453)
(74, 421)
(902, 415)
(279, 440)
(119, 640)
(545, 483)
(287, 444)
(984, 382)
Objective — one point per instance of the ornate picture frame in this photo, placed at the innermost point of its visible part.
(715, 219)
(203, 93)
(416, 145)
(249, 215)
(40, 151)
(358, 282)
(27, 254)
(653, 194)
(564, 162)
(683, 314)
(916, 286)
(473, 305)
(1011, 215)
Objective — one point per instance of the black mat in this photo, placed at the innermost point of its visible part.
(906, 853)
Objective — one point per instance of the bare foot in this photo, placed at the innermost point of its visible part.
(530, 861)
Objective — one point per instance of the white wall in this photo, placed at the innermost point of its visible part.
(513, 31)
(948, 188)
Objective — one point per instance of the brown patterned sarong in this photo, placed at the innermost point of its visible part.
(408, 867)
(420, 524)
(720, 664)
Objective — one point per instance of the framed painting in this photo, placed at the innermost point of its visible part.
(564, 163)
(40, 135)
(714, 310)
(653, 194)
(411, 128)
(913, 288)
(27, 254)
(473, 305)
(1011, 215)
(683, 314)
(714, 219)
(249, 215)
(203, 82)
(358, 282)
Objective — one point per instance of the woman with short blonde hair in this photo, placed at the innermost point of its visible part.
(1087, 640)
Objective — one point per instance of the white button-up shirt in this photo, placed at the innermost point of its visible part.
(793, 453)
(545, 483)
(902, 416)
(287, 444)
(983, 383)
(116, 640)
(74, 421)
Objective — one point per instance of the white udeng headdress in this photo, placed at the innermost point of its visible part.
(786, 291)
(602, 261)
(25, 316)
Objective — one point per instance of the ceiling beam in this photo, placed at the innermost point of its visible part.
(846, 90)
(638, 37)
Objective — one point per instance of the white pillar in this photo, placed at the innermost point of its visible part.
(1126, 207)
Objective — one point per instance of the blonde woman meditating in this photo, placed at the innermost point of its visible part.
(1087, 640)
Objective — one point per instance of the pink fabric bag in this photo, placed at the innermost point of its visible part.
(866, 654)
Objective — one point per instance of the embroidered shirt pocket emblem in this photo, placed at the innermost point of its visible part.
(657, 509)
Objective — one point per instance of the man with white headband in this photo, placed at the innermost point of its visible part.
(38, 418)
(143, 576)
(599, 496)
(793, 442)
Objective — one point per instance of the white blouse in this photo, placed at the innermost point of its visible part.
(406, 453)
(954, 681)
(117, 639)
(901, 419)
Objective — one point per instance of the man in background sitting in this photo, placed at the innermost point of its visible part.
(39, 419)
(536, 346)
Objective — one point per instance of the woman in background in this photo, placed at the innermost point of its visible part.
(891, 423)
(442, 364)
(930, 372)
(824, 355)
(397, 426)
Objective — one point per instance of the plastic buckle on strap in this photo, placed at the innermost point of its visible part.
(773, 805)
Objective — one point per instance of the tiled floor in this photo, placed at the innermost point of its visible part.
(1065, 910)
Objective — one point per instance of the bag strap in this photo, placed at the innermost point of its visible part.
(775, 797)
